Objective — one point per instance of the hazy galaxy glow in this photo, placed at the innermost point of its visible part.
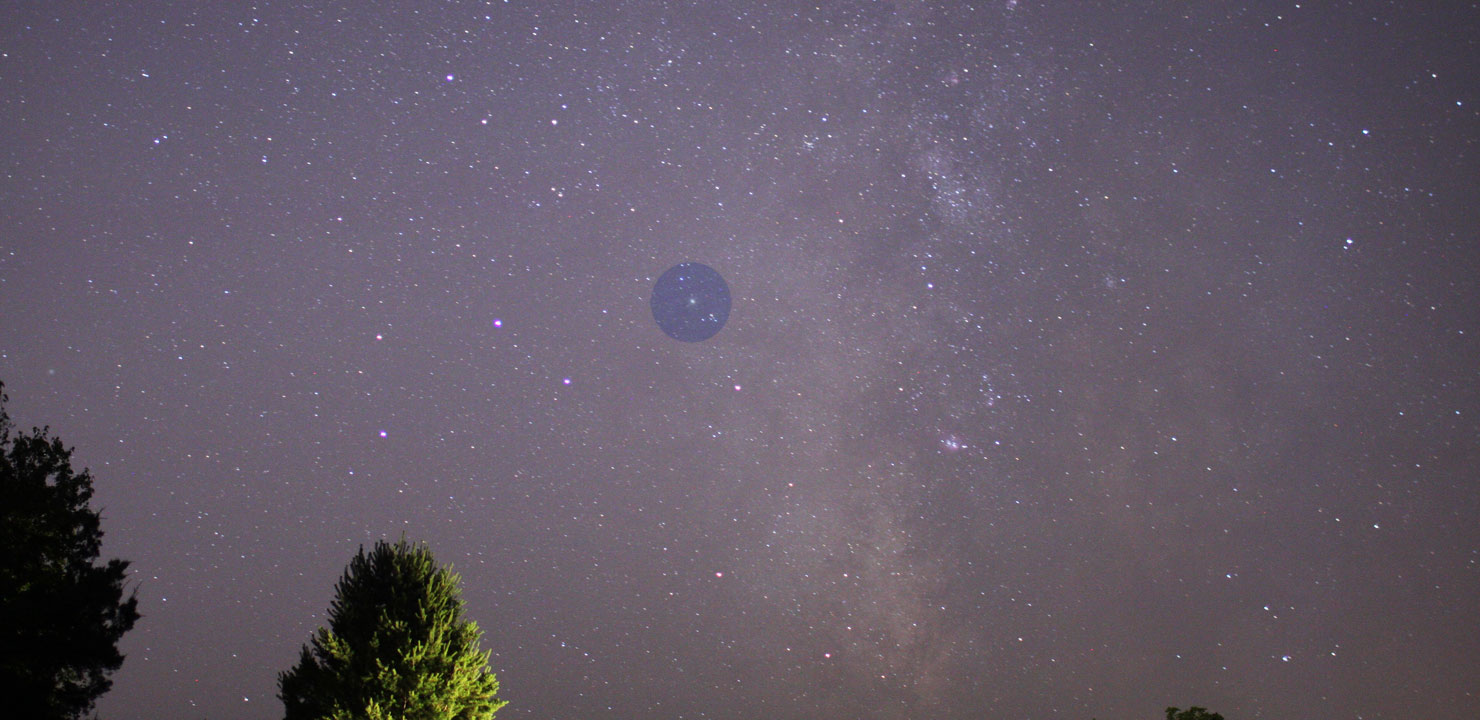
(1083, 358)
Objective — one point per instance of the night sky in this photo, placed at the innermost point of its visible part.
(1084, 358)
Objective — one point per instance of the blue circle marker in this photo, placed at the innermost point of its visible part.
(691, 302)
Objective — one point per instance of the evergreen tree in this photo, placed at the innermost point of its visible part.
(61, 615)
(396, 647)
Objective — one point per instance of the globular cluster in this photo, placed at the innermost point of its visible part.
(1080, 359)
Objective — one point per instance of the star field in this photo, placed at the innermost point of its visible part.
(1083, 359)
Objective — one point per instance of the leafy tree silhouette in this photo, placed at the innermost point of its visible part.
(61, 614)
(1192, 713)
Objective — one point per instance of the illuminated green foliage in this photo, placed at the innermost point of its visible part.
(396, 647)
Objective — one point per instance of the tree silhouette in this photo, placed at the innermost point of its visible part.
(61, 615)
(1192, 713)
(396, 646)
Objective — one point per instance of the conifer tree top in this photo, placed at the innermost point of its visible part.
(396, 646)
